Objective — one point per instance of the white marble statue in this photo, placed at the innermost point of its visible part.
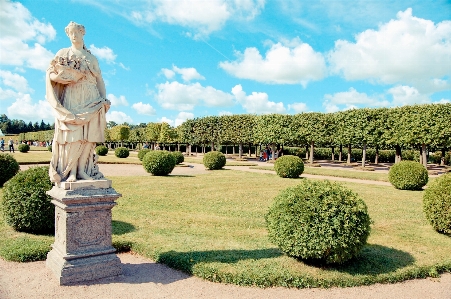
(76, 91)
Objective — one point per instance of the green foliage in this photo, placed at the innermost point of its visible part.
(121, 152)
(408, 175)
(437, 203)
(214, 160)
(25, 249)
(23, 148)
(319, 221)
(159, 163)
(289, 166)
(142, 153)
(179, 158)
(49, 148)
(101, 150)
(25, 205)
(119, 133)
(8, 168)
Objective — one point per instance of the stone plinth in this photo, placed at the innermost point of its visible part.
(83, 249)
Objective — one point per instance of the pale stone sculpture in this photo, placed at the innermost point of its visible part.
(76, 91)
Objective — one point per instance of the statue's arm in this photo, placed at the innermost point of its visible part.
(99, 79)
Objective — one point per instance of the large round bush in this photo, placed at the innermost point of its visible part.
(408, 175)
(121, 152)
(179, 158)
(101, 150)
(142, 153)
(8, 168)
(23, 148)
(437, 203)
(319, 221)
(214, 160)
(159, 163)
(26, 206)
(289, 166)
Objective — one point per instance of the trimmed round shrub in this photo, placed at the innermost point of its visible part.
(408, 175)
(26, 206)
(179, 158)
(142, 153)
(437, 203)
(121, 152)
(289, 166)
(101, 150)
(23, 148)
(8, 168)
(159, 163)
(319, 221)
(214, 160)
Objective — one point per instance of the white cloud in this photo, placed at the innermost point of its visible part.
(182, 97)
(298, 107)
(117, 101)
(104, 53)
(182, 117)
(166, 120)
(169, 74)
(118, 117)
(407, 95)
(188, 74)
(145, 109)
(407, 50)
(24, 108)
(352, 99)
(19, 28)
(292, 62)
(15, 81)
(202, 17)
(221, 113)
(7, 94)
(257, 102)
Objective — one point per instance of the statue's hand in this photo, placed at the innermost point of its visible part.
(60, 78)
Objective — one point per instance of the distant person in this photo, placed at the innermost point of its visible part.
(2, 145)
(157, 147)
(146, 145)
(11, 145)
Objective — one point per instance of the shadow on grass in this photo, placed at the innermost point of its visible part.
(120, 227)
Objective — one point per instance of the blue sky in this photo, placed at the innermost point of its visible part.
(171, 60)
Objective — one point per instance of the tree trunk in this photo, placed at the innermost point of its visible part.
(398, 154)
(333, 153)
(425, 160)
(376, 159)
(442, 159)
(226, 149)
(250, 151)
(233, 149)
(312, 146)
(306, 152)
(273, 149)
(340, 154)
(349, 154)
(240, 150)
(364, 155)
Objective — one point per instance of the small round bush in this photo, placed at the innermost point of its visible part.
(159, 163)
(49, 148)
(101, 150)
(142, 153)
(179, 158)
(121, 152)
(408, 175)
(437, 203)
(8, 168)
(214, 160)
(319, 221)
(26, 206)
(289, 166)
(23, 148)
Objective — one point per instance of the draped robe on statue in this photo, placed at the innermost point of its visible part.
(79, 121)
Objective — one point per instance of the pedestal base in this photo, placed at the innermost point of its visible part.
(83, 250)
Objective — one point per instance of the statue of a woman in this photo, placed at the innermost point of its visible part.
(76, 91)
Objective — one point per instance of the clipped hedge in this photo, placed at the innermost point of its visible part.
(8, 168)
(121, 152)
(179, 158)
(101, 150)
(289, 166)
(25, 206)
(319, 221)
(214, 160)
(437, 203)
(23, 148)
(159, 163)
(142, 153)
(408, 175)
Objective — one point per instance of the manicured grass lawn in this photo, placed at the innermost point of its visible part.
(212, 226)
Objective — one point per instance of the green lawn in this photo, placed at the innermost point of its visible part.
(212, 226)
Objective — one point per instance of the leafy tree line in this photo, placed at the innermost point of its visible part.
(16, 126)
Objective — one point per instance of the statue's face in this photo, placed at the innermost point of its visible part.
(75, 35)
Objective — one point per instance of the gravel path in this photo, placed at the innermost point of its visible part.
(143, 278)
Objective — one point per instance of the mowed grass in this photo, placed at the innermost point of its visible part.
(213, 226)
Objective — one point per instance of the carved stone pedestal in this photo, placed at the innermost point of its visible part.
(83, 249)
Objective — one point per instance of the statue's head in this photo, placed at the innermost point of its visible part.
(76, 26)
